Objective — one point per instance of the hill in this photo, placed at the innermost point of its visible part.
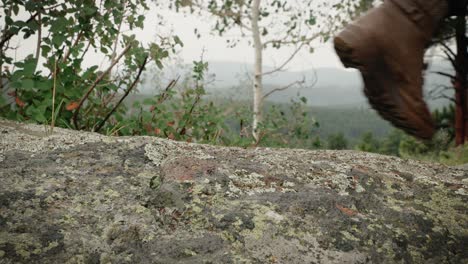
(323, 86)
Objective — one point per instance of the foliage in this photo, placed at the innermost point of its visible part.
(55, 85)
(337, 141)
(445, 119)
(179, 115)
(410, 146)
(454, 156)
(56, 91)
(353, 121)
(284, 125)
(289, 126)
(390, 145)
(368, 143)
(397, 143)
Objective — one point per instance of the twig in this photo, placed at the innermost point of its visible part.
(52, 6)
(449, 50)
(163, 96)
(450, 98)
(114, 49)
(449, 53)
(167, 89)
(86, 50)
(39, 39)
(288, 42)
(445, 74)
(77, 40)
(283, 88)
(291, 57)
(192, 108)
(260, 137)
(95, 83)
(127, 92)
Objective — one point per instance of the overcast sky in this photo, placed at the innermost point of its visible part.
(216, 48)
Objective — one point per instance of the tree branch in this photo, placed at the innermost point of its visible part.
(95, 83)
(284, 88)
(451, 56)
(39, 39)
(164, 95)
(127, 92)
(449, 50)
(445, 74)
(443, 96)
(288, 42)
(77, 40)
(86, 50)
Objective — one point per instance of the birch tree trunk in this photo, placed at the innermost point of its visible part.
(257, 84)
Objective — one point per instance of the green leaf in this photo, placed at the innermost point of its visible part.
(140, 21)
(45, 50)
(58, 40)
(159, 64)
(44, 85)
(136, 104)
(39, 116)
(16, 84)
(178, 41)
(19, 24)
(148, 101)
(104, 50)
(29, 68)
(27, 84)
(19, 64)
(312, 21)
(8, 20)
(90, 10)
(16, 9)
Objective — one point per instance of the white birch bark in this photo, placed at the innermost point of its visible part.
(258, 71)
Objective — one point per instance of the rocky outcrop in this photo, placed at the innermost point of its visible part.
(76, 197)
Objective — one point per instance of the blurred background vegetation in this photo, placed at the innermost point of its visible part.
(131, 93)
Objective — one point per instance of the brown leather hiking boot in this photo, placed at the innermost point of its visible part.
(387, 45)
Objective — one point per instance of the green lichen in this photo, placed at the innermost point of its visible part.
(447, 211)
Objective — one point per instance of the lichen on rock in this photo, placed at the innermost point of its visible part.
(76, 197)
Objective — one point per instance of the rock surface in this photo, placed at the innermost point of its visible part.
(76, 197)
